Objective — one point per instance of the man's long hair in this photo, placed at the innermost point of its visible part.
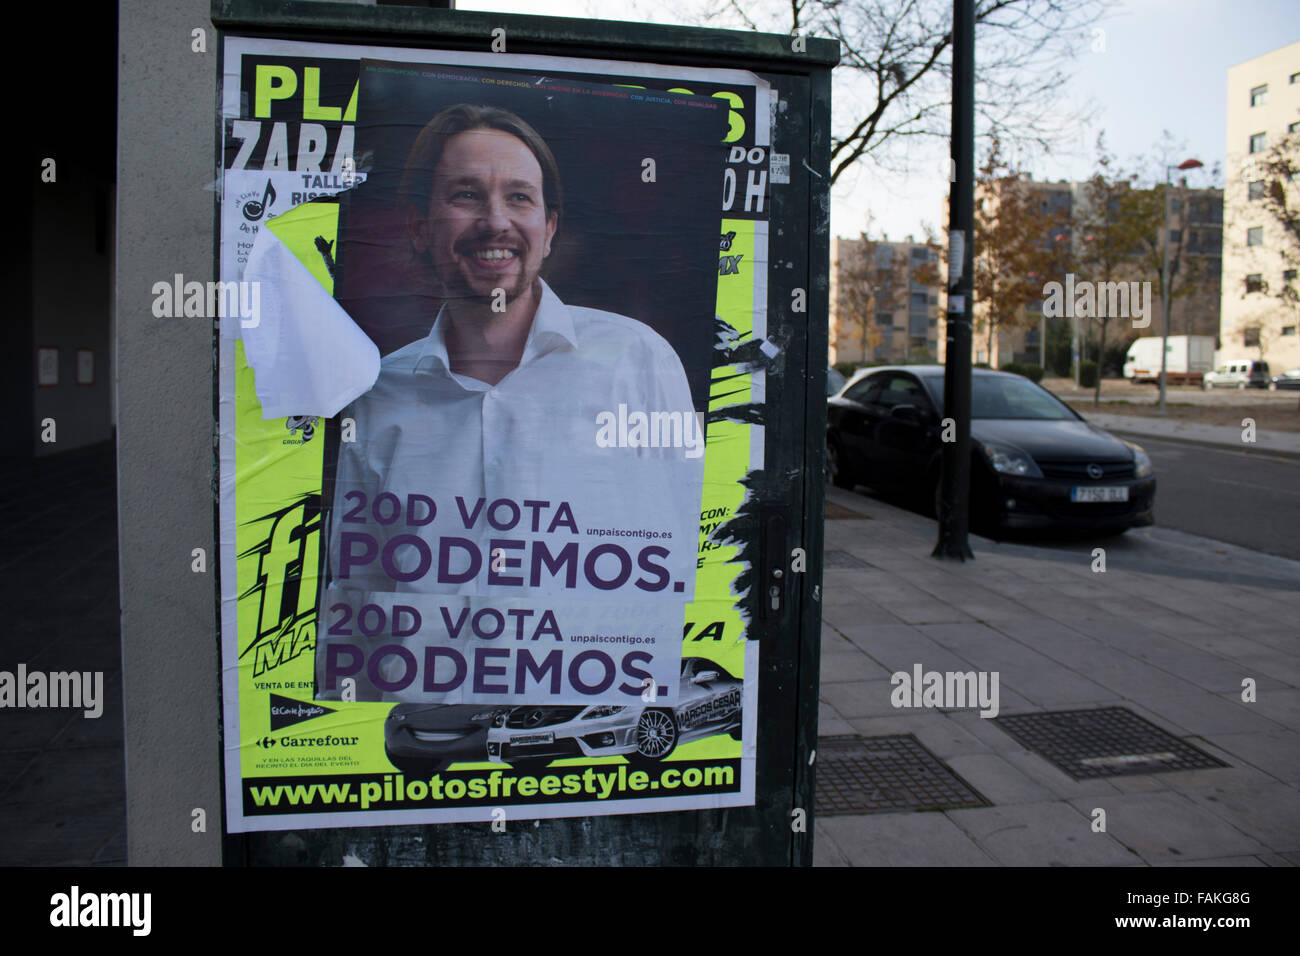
(426, 152)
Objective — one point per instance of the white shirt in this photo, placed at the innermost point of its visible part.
(425, 430)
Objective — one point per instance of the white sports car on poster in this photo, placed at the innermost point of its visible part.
(531, 736)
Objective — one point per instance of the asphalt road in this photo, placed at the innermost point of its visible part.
(1245, 499)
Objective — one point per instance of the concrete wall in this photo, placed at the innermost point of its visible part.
(166, 168)
(166, 122)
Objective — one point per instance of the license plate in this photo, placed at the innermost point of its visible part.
(524, 740)
(1109, 493)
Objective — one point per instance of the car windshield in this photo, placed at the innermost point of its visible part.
(995, 396)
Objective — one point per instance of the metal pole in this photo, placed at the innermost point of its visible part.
(1164, 296)
(954, 506)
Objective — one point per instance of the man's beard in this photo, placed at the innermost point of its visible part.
(458, 288)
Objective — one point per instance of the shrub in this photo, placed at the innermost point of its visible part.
(1029, 370)
(846, 368)
(1088, 373)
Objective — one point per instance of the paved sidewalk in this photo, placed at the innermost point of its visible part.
(62, 788)
(1276, 442)
(1169, 632)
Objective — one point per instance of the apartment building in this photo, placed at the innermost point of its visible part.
(884, 301)
(1263, 112)
(1195, 237)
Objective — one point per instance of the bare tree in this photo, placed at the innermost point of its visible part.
(873, 280)
(1109, 226)
(1189, 273)
(1019, 242)
(895, 71)
(1271, 199)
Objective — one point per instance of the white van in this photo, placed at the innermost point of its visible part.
(1243, 373)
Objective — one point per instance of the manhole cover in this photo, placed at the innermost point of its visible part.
(884, 775)
(842, 559)
(835, 510)
(1107, 742)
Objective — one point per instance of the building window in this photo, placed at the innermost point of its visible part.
(1258, 142)
(1176, 206)
(1175, 235)
(1259, 95)
(1293, 127)
(1255, 190)
(1288, 330)
(1255, 236)
(1255, 282)
(1289, 275)
(1250, 338)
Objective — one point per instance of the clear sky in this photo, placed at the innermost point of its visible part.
(1164, 67)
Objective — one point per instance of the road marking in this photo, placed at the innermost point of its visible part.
(1251, 484)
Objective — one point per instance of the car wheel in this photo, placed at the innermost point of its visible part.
(415, 766)
(836, 470)
(656, 736)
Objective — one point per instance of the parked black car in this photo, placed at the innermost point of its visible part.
(1035, 462)
(1288, 379)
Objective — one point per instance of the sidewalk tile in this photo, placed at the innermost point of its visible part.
(998, 780)
(1061, 784)
(825, 852)
(1280, 706)
(862, 698)
(1041, 834)
(1169, 826)
(1270, 813)
(1275, 752)
(853, 665)
(1224, 861)
(1206, 713)
(903, 839)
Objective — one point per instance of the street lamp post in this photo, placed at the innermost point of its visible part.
(1164, 279)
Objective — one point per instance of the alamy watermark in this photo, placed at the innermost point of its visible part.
(76, 909)
(1098, 300)
(83, 691)
(950, 690)
(638, 429)
(210, 300)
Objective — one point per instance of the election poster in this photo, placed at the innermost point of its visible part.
(485, 436)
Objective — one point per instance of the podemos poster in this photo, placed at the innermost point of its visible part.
(483, 436)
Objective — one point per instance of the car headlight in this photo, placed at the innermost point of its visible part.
(603, 710)
(499, 718)
(488, 715)
(1010, 460)
(1141, 463)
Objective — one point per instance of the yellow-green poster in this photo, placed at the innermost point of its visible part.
(484, 436)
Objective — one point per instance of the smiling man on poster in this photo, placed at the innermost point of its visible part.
(520, 504)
